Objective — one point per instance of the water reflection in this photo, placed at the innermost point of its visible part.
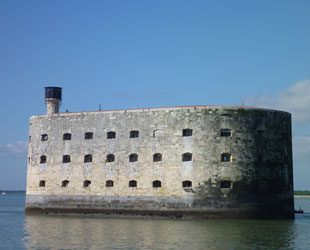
(66, 232)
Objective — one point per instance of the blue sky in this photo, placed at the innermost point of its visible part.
(133, 54)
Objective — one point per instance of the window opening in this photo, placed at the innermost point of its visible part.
(109, 183)
(44, 137)
(226, 157)
(225, 184)
(132, 183)
(157, 133)
(43, 159)
(42, 183)
(110, 158)
(134, 134)
(88, 158)
(187, 157)
(156, 184)
(67, 137)
(187, 132)
(88, 136)
(65, 183)
(29, 139)
(86, 183)
(186, 184)
(111, 135)
(157, 157)
(133, 157)
(65, 158)
(226, 132)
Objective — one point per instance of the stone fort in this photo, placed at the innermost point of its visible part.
(195, 161)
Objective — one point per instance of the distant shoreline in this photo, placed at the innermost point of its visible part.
(24, 192)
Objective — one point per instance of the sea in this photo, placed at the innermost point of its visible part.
(18, 231)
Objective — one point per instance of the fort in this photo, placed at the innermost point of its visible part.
(195, 161)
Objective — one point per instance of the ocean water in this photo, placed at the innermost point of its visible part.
(18, 231)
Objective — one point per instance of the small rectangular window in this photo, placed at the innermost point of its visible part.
(111, 135)
(67, 137)
(65, 158)
(132, 183)
(88, 158)
(225, 184)
(44, 137)
(187, 157)
(88, 136)
(187, 132)
(225, 132)
(109, 183)
(226, 157)
(134, 134)
(43, 159)
(65, 183)
(186, 184)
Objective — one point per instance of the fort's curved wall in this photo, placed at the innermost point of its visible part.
(257, 181)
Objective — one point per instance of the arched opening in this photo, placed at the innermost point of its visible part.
(65, 158)
(44, 137)
(109, 183)
(187, 157)
(156, 184)
(88, 158)
(110, 158)
(86, 183)
(132, 183)
(65, 183)
(42, 183)
(133, 157)
(43, 159)
(157, 157)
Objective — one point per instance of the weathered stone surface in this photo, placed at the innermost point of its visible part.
(259, 174)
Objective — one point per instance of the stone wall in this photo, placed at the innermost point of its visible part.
(257, 178)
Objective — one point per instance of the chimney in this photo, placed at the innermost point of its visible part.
(53, 99)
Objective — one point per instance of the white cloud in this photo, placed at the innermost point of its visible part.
(16, 149)
(295, 99)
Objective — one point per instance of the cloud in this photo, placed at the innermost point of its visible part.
(16, 149)
(295, 99)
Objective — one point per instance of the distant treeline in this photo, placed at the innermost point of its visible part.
(300, 192)
(12, 192)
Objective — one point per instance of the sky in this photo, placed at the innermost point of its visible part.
(156, 53)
